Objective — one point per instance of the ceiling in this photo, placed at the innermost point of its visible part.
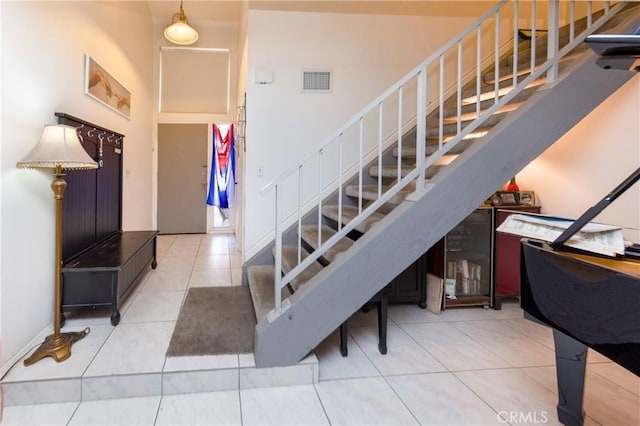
(197, 11)
(231, 10)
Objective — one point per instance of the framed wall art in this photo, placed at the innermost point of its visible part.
(101, 86)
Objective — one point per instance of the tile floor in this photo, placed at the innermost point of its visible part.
(466, 366)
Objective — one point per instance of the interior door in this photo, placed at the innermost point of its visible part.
(182, 178)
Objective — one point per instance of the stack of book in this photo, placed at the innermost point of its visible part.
(463, 277)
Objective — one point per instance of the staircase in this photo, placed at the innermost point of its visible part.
(408, 186)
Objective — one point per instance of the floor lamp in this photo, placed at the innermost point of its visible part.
(59, 149)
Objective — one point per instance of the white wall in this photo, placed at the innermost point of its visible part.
(366, 53)
(43, 44)
(1, 192)
(240, 142)
(591, 160)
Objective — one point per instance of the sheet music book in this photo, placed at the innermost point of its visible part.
(594, 237)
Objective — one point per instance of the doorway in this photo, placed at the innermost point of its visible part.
(182, 178)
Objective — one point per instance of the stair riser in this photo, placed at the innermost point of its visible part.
(290, 261)
(310, 237)
(159, 383)
(348, 214)
(261, 288)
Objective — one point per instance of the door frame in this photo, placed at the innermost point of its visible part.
(238, 226)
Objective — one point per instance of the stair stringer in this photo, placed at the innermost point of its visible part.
(414, 226)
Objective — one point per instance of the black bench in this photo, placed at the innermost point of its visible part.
(105, 274)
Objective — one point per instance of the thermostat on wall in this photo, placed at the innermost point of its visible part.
(263, 76)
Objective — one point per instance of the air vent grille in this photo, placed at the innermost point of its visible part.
(316, 81)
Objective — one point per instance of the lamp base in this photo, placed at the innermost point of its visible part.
(58, 348)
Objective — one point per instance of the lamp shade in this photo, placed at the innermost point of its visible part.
(179, 31)
(58, 146)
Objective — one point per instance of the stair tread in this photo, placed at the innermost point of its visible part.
(524, 64)
(487, 92)
(450, 106)
(451, 111)
(451, 128)
(488, 88)
(450, 125)
(409, 153)
(310, 236)
(432, 141)
(452, 116)
(392, 171)
(470, 90)
(290, 261)
(524, 52)
(370, 193)
(348, 214)
(261, 282)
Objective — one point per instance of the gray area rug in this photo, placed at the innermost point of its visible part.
(214, 321)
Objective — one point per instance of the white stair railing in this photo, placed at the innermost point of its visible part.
(408, 104)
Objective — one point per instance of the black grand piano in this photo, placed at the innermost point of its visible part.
(589, 301)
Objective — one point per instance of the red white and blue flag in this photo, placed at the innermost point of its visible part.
(222, 186)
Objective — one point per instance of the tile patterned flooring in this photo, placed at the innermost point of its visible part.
(466, 366)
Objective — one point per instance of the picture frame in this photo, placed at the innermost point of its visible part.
(100, 85)
(527, 198)
(508, 198)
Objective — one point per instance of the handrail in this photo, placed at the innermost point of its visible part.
(502, 94)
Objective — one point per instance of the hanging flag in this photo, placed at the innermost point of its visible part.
(222, 186)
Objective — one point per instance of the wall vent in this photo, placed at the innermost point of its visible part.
(316, 81)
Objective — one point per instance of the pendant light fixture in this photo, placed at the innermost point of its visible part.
(179, 31)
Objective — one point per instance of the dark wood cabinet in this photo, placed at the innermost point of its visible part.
(507, 256)
(468, 261)
(479, 266)
(411, 285)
